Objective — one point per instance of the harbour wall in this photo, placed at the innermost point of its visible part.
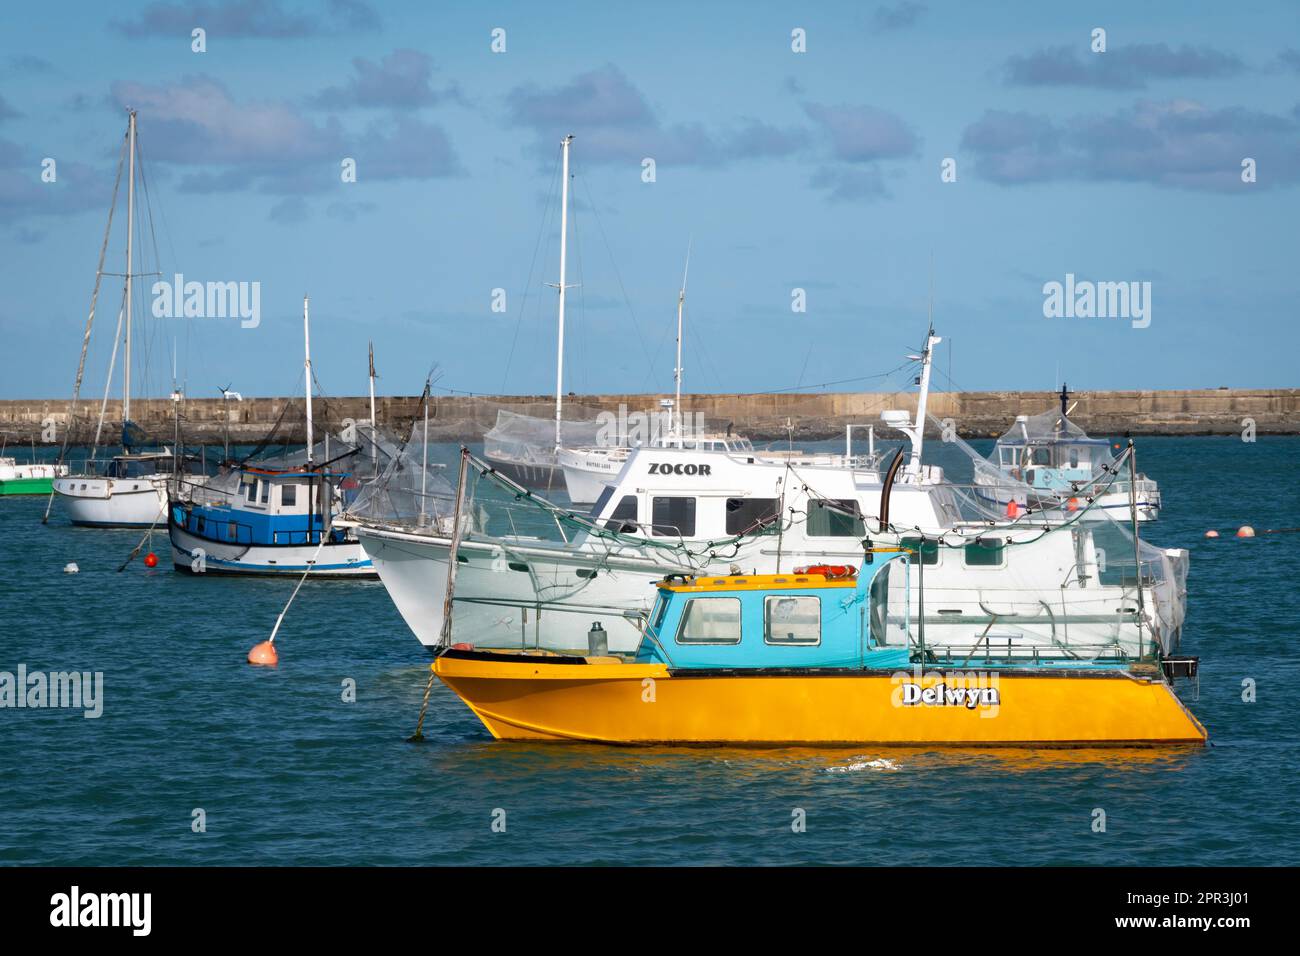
(765, 417)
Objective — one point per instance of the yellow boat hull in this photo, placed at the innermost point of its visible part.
(610, 702)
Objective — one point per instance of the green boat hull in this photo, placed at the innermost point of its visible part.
(26, 486)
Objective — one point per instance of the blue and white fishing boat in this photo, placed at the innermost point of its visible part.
(272, 517)
(255, 520)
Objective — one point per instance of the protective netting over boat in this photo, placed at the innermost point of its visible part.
(530, 440)
(350, 462)
(1062, 587)
(412, 491)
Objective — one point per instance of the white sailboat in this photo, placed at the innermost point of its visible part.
(130, 490)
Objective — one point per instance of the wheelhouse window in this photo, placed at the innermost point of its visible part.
(929, 550)
(827, 518)
(266, 492)
(673, 517)
(792, 619)
(250, 491)
(657, 613)
(985, 553)
(288, 496)
(622, 519)
(747, 515)
(710, 621)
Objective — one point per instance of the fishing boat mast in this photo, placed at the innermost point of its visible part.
(373, 450)
(564, 236)
(306, 345)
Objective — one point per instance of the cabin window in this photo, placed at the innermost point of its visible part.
(710, 621)
(1074, 458)
(745, 515)
(250, 492)
(929, 550)
(266, 492)
(985, 553)
(288, 496)
(673, 517)
(792, 620)
(826, 519)
(622, 519)
(1042, 456)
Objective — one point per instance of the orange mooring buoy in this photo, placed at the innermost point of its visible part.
(151, 560)
(1245, 531)
(1013, 508)
(264, 653)
(1072, 504)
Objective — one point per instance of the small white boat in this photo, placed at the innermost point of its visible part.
(130, 489)
(131, 492)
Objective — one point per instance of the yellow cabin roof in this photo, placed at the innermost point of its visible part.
(757, 582)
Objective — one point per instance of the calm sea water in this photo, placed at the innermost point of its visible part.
(286, 772)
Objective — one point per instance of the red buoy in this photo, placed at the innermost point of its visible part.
(1072, 504)
(151, 560)
(1013, 509)
(264, 653)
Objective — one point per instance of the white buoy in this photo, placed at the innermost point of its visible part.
(1211, 533)
(71, 568)
(1245, 531)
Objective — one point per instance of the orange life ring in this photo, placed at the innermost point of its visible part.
(829, 571)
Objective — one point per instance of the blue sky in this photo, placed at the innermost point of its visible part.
(817, 170)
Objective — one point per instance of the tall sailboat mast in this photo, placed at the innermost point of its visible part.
(306, 345)
(677, 371)
(130, 235)
(564, 237)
